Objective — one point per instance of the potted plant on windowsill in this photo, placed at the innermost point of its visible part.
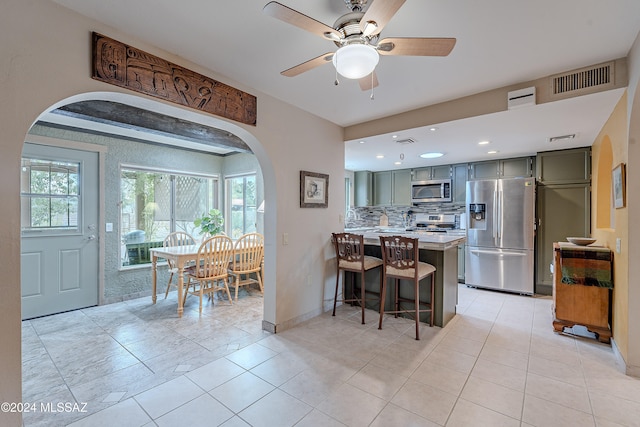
(210, 223)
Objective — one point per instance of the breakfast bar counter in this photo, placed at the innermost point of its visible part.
(437, 249)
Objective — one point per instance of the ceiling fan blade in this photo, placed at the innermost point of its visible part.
(293, 17)
(308, 65)
(368, 82)
(416, 46)
(380, 12)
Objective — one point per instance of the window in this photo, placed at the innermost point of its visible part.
(241, 205)
(155, 203)
(49, 193)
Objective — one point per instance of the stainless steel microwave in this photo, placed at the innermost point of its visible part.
(435, 190)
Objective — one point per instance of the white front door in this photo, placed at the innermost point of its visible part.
(59, 221)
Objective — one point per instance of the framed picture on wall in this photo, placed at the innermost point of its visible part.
(314, 190)
(619, 187)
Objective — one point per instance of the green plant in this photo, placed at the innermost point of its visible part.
(211, 223)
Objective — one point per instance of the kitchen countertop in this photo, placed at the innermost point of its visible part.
(427, 240)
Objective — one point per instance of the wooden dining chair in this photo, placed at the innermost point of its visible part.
(248, 254)
(210, 273)
(350, 257)
(400, 256)
(177, 238)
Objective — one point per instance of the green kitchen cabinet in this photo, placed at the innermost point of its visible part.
(461, 249)
(564, 166)
(459, 183)
(564, 210)
(485, 170)
(382, 188)
(401, 188)
(563, 203)
(521, 167)
(363, 188)
(392, 188)
(504, 168)
(431, 172)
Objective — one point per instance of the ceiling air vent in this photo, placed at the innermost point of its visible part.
(583, 80)
(562, 138)
(521, 98)
(405, 141)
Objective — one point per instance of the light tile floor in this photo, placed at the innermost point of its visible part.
(497, 363)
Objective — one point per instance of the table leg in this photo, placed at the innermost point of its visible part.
(180, 289)
(154, 262)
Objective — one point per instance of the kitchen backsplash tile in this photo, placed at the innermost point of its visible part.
(369, 216)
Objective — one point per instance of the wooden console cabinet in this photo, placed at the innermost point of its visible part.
(584, 301)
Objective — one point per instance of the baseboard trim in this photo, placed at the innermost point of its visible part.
(632, 371)
(268, 327)
(281, 327)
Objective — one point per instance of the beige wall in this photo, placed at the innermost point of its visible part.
(633, 206)
(621, 135)
(608, 224)
(38, 71)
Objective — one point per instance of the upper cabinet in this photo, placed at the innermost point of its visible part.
(382, 188)
(392, 188)
(401, 187)
(460, 174)
(431, 172)
(564, 166)
(363, 183)
(521, 167)
(505, 168)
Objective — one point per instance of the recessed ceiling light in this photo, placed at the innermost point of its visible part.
(394, 136)
(361, 142)
(492, 152)
(484, 142)
(397, 163)
(379, 156)
(431, 155)
(433, 129)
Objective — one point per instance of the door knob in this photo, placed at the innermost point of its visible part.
(91, 237)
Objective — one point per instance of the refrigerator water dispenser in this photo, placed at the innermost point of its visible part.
(477, 216)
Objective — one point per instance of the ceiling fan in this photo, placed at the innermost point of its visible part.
(357, 35)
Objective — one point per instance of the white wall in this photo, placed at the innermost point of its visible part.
(45, 59)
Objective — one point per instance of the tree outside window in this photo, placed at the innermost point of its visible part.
(241, 205)
(156, 203)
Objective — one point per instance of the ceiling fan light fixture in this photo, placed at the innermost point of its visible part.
(355, 61)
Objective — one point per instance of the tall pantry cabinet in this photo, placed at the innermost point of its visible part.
(563, 205)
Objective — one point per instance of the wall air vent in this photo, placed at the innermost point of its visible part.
(521, 98)
(587, 79)
(405, 141)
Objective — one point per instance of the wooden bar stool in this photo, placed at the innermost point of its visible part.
(350, 257)
(401, 262)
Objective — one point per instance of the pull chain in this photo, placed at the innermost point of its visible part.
(337, 82)
(372, 97)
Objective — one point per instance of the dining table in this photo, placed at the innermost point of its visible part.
(180, 256)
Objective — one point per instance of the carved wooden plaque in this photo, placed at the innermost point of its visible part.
(131, 68)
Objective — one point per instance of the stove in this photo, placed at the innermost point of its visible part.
(437, 223)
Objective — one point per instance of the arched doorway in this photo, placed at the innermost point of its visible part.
(47, 375)
(213, 122)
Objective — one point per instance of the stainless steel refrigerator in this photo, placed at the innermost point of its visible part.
(500, 234)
